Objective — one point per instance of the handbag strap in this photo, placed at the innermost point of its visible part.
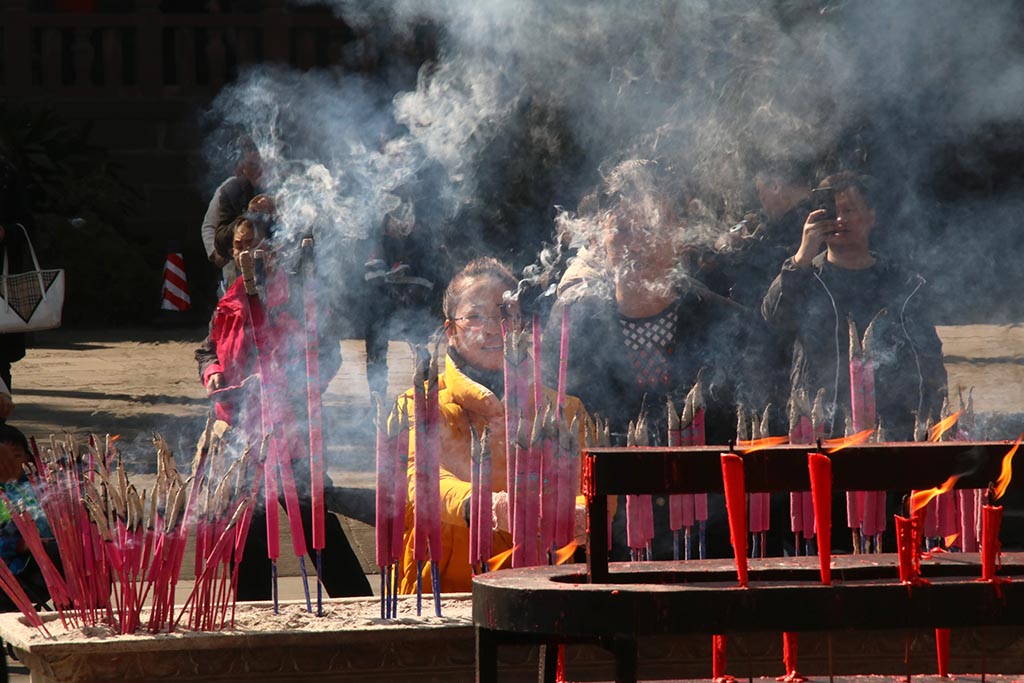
(35, 263)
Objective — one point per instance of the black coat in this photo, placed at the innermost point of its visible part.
(728, 341)
(810, 306)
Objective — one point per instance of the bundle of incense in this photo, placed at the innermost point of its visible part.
(531, 504)
(865, 509)
(941, 519)
(517, 509)
(599, 435)
(677, 509)
(427, 482)
(567, 484)
(548, 481)
(801, 508)
(316, 449)
(398, 443)
(968, 500)
(691, 425)
(384, 507)
(514, 368)
(282, 446)
(481, 534)
(229, 492)
(563, 363)
(639, 513)
(760, 503)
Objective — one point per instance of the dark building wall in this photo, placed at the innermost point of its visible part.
(140, 73)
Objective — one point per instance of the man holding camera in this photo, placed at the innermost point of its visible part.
(818, 292)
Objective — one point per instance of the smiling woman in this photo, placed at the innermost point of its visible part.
(470, 388)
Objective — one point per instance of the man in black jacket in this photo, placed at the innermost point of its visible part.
(815, 293)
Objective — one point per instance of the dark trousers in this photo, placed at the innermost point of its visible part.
(342, 574)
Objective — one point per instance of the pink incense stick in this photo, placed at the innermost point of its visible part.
(400, 499)
(421, 527)
(563, 363)
(700, 500)
(316, 446)
(538, 386)
(485, 542)
(520, 486)
(474, 502)
(384, 508)
(969, 504)
(511, 411)
(548, 495)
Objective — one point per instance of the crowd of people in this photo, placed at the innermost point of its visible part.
(766, 311)
(763, 312)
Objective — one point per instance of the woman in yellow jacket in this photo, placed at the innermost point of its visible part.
(468, 395)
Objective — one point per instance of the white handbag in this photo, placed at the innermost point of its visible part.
(33, 300)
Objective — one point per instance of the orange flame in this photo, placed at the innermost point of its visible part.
(1004, 475)
(950, 540)
(918, 499)
(501, 559)
(760, 444)
(565, 553)
(936, 431)
(114, 437)
(839, 444)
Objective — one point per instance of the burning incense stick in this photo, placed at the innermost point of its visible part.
(313, 388)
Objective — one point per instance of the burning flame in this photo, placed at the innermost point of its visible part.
(114, 437)
(834, 445)
(951, 539)
(936, 431)
(565, 553)
(1004, 475)
(501, 559)
(919, 499)
(760, 444)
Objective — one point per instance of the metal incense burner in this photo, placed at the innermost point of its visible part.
(615, 605)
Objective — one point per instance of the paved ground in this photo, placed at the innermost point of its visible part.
(139, 381)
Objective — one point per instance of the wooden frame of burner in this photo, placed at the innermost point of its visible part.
(697, 469)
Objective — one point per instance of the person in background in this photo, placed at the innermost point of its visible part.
(230, 200)
(749, 255)
(816, 291)
(15, 214)
(403, 276)
(14, 456)
(227, 357)
(469, 389)
(641, 336)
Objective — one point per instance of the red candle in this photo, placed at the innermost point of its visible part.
(942, 650)
(905, 548)
(991, 520)
(718, 652)
(820, 468)
(736, 508)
